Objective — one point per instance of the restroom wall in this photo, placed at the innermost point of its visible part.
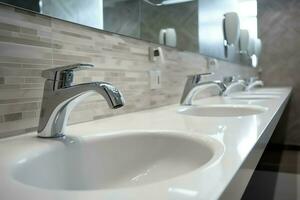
(30, 43)
(279, 29)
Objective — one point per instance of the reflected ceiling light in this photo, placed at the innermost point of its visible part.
(254, 61)
(248, 8)
(165, 2)
(257, 51)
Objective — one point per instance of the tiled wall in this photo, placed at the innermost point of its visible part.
(30, 43)
(279, 29)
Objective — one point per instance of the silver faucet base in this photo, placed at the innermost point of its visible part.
(60, 97)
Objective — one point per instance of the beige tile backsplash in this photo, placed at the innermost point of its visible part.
(30, 43)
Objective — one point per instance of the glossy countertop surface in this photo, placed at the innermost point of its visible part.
(238, 135)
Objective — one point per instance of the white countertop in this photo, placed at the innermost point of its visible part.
(239, 135)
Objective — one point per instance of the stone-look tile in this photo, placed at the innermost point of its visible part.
(18, 127)
(9, 27)
(11, 94)
(279, 29)
(12, 117)
(30, 43)
(31, 114)
(17, 107)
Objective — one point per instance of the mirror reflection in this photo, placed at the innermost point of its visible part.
(225, 29)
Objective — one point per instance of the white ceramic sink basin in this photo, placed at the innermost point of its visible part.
(276, 93)
(254, 96)
(116, 160)
(269, 90)
(222, 110)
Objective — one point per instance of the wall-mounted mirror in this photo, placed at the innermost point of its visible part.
(189, 25)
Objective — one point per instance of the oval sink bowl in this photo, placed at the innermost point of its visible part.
(222, 110)
(279, 90)
(117, 160)
(264, 93)
(253, 97)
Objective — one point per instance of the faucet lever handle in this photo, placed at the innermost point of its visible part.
(202, 74)
(56, 74)
(196, 78)
(228, 79)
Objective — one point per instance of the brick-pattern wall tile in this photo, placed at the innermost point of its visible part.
(30, 43)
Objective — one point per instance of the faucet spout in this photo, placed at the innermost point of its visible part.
(194, 85)
(57, 103)
(111, 94)
(254, 84)
(235, 86)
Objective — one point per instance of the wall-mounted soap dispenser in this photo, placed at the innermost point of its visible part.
(168, 37)
(244, 41)
(231, 30)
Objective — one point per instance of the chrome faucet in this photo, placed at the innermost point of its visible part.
(60, 97)
(233, 85)
(254, 82)
(194, 84)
